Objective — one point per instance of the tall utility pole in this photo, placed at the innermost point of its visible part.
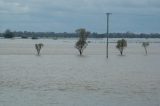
(107, 33)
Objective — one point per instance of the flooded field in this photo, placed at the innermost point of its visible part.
(60, 77)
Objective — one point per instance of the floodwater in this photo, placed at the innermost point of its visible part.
(60, 77)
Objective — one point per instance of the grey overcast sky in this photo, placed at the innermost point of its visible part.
(140, 16)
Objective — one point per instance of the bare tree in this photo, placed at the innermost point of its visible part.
(38, 47)
(145, 45)
(81, 44)
(121, 44)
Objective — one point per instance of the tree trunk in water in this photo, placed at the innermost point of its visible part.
(121, 52)
(80, 52)
(146, 50)
(38, 52)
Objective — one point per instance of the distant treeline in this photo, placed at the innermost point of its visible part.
(27, 34)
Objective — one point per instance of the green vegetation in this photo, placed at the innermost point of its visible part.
(81, 44)
(24, 37)
(121, 44)
(92, 35)
(8, 34)
(34, 37)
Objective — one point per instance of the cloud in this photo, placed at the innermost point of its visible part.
(73, 6)
(12, 7)
(65, 15)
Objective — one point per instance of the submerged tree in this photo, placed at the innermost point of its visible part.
(121, 44)
(81, 44)
(38, 47)
(145, 45)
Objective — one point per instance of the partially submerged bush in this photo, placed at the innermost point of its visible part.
(145, 45)
(38, 47)
(81, 44)
(121, 44)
